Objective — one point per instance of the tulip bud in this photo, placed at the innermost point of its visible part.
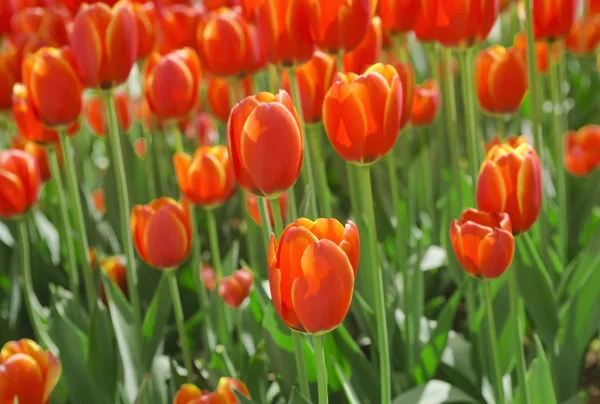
(98, 199)
(114, 269)
(399, 17)
(252, 204)
(208, 278)
(20, 183)
(425, 103)
(584, 37)
(140, 146)
(178, 24)
(235, 289)
(552, 20)
(582, 154)
(146, 28)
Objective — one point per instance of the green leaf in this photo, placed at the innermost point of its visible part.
(434, 392)
(298, 398)
(49, 235)
(242, 399)
(346, 385)
(102, 360)
(155, 321)
(539, 378)
(5, 236)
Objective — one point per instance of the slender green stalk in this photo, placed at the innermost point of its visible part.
(293, 209)
(496, 378)
(513, 291)
(339, 60)
(467, 87)
(265, 222)
(150, 163)
(178, 138)
(88, 277)
(427, 177)
(315, 145)
(273, 77)
(180, 321)
(277, 219)
(160, 153)
(66, 221)
(321, 368)
(353, 187)
(364, 181)
(215, 253)
(501, 127)
(413, 213)
(250, 234)
(124, 208)
(25, 264)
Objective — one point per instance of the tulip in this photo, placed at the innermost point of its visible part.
(173, 83)
(105, 44)
(424, 29)
(227, 385)
(39, 153)
(253, 208)
(362, 114)
(425, 103)
(483, 242)
(265, 143)
(407, 79)
(235, 289)
(510, 181)
(207, 178)
(178, 24)
(95, 112)
(501, 79)
(114, 269)
(27, 373)
(367, 52)
(553, 19)
(542, 51)
(98, 199)
(582, 154)
(162, 232)
(593, 7)
(20, 182)
(584, 37)
(37, 27)
(202, 129)
(339, 25)
(255, 54)
(513, 140)
(311, 273)
(399, 17)
(190, 394)
(10, 73)
(146, 26)
(208, 278)
(218, 93)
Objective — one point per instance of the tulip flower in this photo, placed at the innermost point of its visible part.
(28, 374)
(227, 385)
(218, 93)
(208, 278)
(114, 269)
(10, 73)
(552, 20)
(511, 140)
(146, 27)
(483, 243)
(254, 209)
(235, 289)
(95, 112)
(162, 232)
(20, 182)
(207, 178)
(424, 29)
(266, 143)
(38, 27)
(399, 17)
(543, 52)
(582, 154)
(362, 114)
(190, 394)
(311, 273)
(407, 79)
(255, 54)
(593, 7)
(99, 201)
(425, 103)
(172, 83)
(510, 181)
(202, 129)
(584, 37)
(105, 44)
(339, 25)
(39, 153)
(501, 79)
(178, 24)
(368, 50)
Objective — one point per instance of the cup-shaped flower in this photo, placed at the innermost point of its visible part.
(399, 17)
(510, 181)
(501, 79)
(36, 27)
(266, 143)
(114, 269)
(368, 50)
(178, 24)
(145, 18)
(584, 37)
(235, 289)
(425, 103)
(543, 52)
(95, 112)
(20, 182)
(208, 278)
(105, 44)
(39, 153)
(162, 232)
(552, 20)
(218, 93)
(483, 242)
(10, 73)
(172, 83)
(582, 154)
(311, 273)
(362, 114)
(253, 206)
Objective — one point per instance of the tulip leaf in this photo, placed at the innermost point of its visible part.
(346, 385)
(156, 320)
(434, 392)
(539, 379)
(298, 398)
(102, 360)
(5, 236)
(243, 399)
(49, 235)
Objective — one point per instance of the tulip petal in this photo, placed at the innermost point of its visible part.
(235, 128)
(351, 244)
(491, 191)
(21, 376)
(186, 394)
(166, 238)
(12, 194)
(140, 215)
(496, 252)
(329, 229)
(121, 43)
(207, 180)
(181, 163)
(529, 192)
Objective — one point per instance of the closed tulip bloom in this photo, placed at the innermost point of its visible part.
(173, 83)
(38, 27)
(362, 114)
(553, 19)
(501, 79)
(208, 278)
(187, 394)
(178, 24)
(217, 94)
(424, 28)
(367, 52)
(95, 112)
(582, 154)
(202, 128)
(510, 180)
(483, 243)
(162, 232)
(145, 18)
(39, 153)
(28, 374)
(584, 37)
(207, 178)
(10, 74)
(339, 25)
(399, 17)
(593, 7)
(311, 273)
(543, 52)
(425, 103)
(114, 269)
(252, 204)
(235, 289)
(20, 182)
(512, 140)
(227, 385)
(266, 143)
(105, 44)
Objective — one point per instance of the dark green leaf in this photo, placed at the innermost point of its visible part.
(298, 398)
(102, 360)
(434, 392)
(156, 320)
(539, 379)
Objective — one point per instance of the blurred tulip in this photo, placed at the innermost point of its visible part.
(311, 273)
(208, 278)
(582, 154)
(255, 54)
(266, 143)
(593, 7)
(425, 103)
(178, 24)
(162, 232)
(20, 182)
(207, 178)
(98, 199)
(367, 52)
(584, 37)
(39, 153)
(187, 394)
(424, 29)
(553, 19)
(28, 374)
(37, 27)
(235, 289)
(252, 204)
(139, 147)
(145, 16)
(213, 5)
(362, 114)
(399, 16)
(226, 386)
(218, 93)
(10, 74)
(483, 243)
(512, 140)
(95, 112)
(202, 129)
(501, 79)
(510, 181)
(114, 269)
(105, 44)
(406, 74)
(190, 394)
(542, 51)
(93, 254)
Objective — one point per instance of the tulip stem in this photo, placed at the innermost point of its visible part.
(178, 139)
(88, 279)
(215, 253)
(277, 219)
(314, 134)
(180, 321)
(321, 368)
(501, 127)
(150, 163)
(428, 184)
(124, 208)
(369, 228)
(265, 223)
(300, 364)
(496, 378)
(466, 70)
(513, 291)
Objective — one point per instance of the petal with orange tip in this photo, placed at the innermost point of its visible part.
(496, 252)
(529, 192)
(208, 179)
(491, 191)
(12, 196)
(186, 394)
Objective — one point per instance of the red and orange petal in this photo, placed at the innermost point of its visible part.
(552, 20)
(252, 204)
(186, 394)
(314, 79)
(584, 36)
(225, 386)
(582, 154)
(218, 93)
(201, 128)
(425, 103)
(20, 182)
(208, 277)
(39, 153)
(145, 18)
(543, 52)
(178, 24)
(367, 52)
(399, 16)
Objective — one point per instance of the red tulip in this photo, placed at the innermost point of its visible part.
(226, 386)
(582, 154)
(202, 128)
(139, 147)
(39, 153)
(399, 16)
(10, 74)
(208, 278)
(593, 7)
(98, 199)
(367, 52)
(37, 27)
(553, 19)
(252, 204)
(584, 37)
(542, 51)
(190, 394)
(178, 24)
(145, 18)
(406, 74)
(425, 30)
(114, 269)
(218, 93)
(425, 103)
(20, 182)
(95, 112)
(235, 289)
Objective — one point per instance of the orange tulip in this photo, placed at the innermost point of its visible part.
(10, 74)
(483, 242)
(252, 204)
(367, 52)
(311, 273)
(20, 182)
(190, 394)
(105, 43)
(98, 199)
(39, 153)
(145, 19)
(235, 289)
(218, 93)
(227, 385)
(399, 17)
(162, 232)
(208, 278)
(362, 114)
(95, 112)
(553, 19)
(407, 79)
(424, 29)
(584, 37)
(114, 269)
(27, 373)
(266, 143)
(501, 79)
(255, 54)
(177, 25)
(512, 140)
(172, 83)
(582, 154)
(425, 103)
(510, 180)
(207, 178)
(543, 50)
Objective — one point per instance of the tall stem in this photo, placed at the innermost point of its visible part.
(215, 253)
(513, 291)
(501, 127)
(150, 162)
(466, 69)
(428, 184)
(124, 208)
(180, 321)
(321, 369)
(178, 138)
(314, 136)
(265, 223)
(496, 378)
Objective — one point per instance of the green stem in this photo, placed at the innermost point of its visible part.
(513, 291)
(163, 156)
(466, 69)
(293, 209)
(427, 177)
(501, 127)
(300, 364)
(413, 213)
(496, 378)
(364, 182)
(277, 219)
(339, 60)
(88, 278)
(353, 187)
(180, 321)
(265, 222)
(321, 368)
(124, 208)
(213, 239)
(314, 134)
(273, 77)
(150, 163)
(178, 138)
